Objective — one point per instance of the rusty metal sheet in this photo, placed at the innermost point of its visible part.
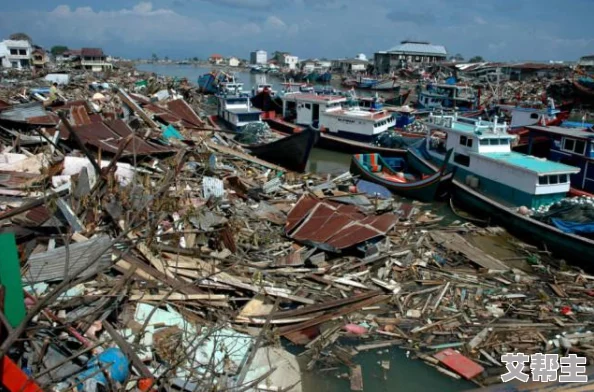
(336, 226)
(109, 135)
(465, 367)
(182, 110)
(353, 235)
(79, 115)
(300, 211)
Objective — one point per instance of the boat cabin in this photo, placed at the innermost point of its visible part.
(483, 159)
(237, 110)
(437, 96)
(574, 147)
(523, 117)
(305, 109)
(326, 112)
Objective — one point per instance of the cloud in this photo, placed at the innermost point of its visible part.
(418, 18)
(479, 20)
(275, 23)
(251, 4)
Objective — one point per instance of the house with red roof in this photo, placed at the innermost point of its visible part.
(216, 59)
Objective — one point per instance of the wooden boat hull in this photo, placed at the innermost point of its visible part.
(424, 190)
(571, 247)
(291, 152)
(339, 144)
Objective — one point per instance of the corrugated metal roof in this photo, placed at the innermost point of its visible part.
(85, 258)
(109, 135)
(21, 113)
(414, 47)
(334, 226)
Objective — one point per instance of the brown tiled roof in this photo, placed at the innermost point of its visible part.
(91, 52)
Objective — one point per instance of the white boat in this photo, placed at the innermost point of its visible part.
(237, 111)
(327, 114)
(261, 87)
(386, 85)
(441, 96)
(484, 161)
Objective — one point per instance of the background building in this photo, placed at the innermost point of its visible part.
(15, 53)
(409, 53)
(259, 57)
(94, 59)
(291, 61)
(234, 62)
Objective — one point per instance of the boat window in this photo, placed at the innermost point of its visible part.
(493, 142)
(554, 179)
(308, 106)
(563, 179)
(534, 116)
(462, 159)
(484, 142)
(542, 180)
(463, 140)
(580, 147)
(469, 142)
(504, 141)
(568, 144)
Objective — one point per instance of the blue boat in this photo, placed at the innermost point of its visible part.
(207, 83)
(326, 77)
(367, 83)
(571, 146)
(447, 96)
(492, 180)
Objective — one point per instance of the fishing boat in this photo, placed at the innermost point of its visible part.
(574, 147)
(447, 96)
(387, 85)
(289, 151)
(236, 110)
(583, 76)
(492, 180)
(366, 83)
(390, 173)
(351, 130)
(263, 87)
(326, 77)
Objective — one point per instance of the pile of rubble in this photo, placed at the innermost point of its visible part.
(141, 254)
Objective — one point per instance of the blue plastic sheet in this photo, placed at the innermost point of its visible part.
(573, 227)
(171, 133)
(373, 190)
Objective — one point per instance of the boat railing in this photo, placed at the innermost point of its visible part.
(478, 125)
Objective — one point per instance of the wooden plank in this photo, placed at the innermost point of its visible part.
(178, 297)
(329, 316)
(324, 306)
(356, 378)
(456, 243)
(10, 278)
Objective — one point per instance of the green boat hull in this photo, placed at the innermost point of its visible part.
(573, 248)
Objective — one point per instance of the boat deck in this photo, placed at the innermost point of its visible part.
(362, 114)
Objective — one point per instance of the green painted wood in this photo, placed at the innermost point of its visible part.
(10, 278)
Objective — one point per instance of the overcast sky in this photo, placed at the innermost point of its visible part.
(494, 29)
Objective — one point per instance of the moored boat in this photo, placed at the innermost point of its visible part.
(492, 180)
(447, 96)
(289, 151)
(374, 168)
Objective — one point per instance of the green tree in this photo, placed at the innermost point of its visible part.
(58, 49)
(166, 58)
(476, 59)
(155, 57)
(20, 37)
(457, 57)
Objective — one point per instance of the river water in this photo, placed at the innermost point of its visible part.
(404, 374)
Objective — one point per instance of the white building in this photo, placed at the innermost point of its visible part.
(15, 54)
(233, 62)
(291, 62)
(94, 60)
(258, 57)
